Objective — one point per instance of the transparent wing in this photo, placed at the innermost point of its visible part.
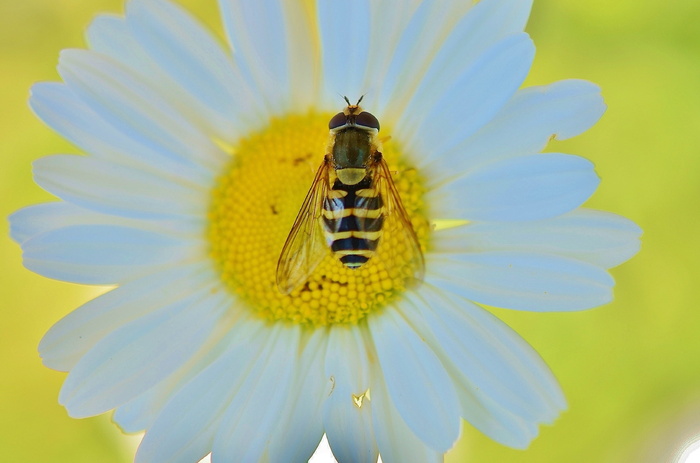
(403, 253)
(306, 246)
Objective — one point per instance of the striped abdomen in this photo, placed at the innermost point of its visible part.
(352, 221)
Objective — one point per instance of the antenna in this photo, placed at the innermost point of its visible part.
(347, 100)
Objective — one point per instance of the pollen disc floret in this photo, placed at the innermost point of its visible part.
(254, 205)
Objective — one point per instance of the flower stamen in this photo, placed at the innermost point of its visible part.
(254, 205)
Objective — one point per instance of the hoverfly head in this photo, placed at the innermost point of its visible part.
(353, 114)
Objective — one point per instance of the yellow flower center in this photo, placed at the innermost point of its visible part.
(254, 205)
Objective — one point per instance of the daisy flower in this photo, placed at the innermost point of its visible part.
(198, 156)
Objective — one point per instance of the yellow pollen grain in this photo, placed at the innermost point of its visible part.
(254, 205)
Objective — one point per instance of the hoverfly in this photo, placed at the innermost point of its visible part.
(351, 203)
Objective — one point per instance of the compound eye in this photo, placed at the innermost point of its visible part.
(368, 120)
(338, 120)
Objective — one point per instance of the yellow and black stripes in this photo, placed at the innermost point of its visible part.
(352, 220)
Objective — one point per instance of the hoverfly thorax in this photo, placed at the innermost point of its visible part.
(353, 135)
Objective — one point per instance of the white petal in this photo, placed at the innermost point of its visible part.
(566, 108)
(348, 425)
(40, 218)
(345, 35)
(470, 101)
(103, 254)
(76, 333)
(139, 413)
(596, 237)
(522, 281)
(300, 425)
(135, 357)
(142, 411)
(118, 190)
(109, 35)
(530, 365)
(523, 126)
(252, 415)
(486, 23)
(421, 38)
(396, 442)
(185, 429)
(512, 387)
(304, 56)
(417, 382)
(64, 112)
(418, 29)
(189, 54)
(136, 108)
(275, 49)
(524, 188)
(387, 26)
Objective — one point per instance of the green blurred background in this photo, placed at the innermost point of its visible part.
(630, 369)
